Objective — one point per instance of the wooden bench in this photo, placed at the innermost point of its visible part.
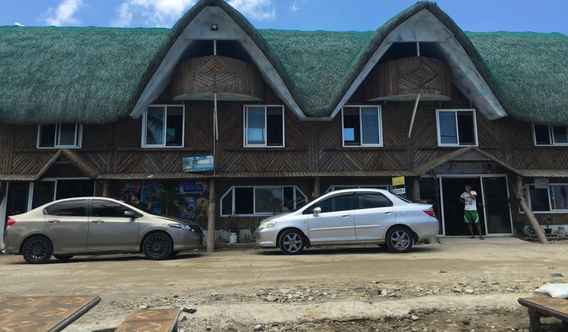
(545, 306)
(151, 320)
(42, 313)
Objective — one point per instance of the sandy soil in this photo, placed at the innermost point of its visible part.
(459, 285)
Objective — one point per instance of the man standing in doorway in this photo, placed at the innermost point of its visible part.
(470, 215)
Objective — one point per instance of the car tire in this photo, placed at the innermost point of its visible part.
(157, 246)
(400, 239)
(37, 250)
(64, 258)
(292, 242)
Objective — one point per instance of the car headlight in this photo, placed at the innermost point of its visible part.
(266, 225)
(183, 227)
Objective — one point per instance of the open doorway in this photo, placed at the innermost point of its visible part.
(452, 188)
(493, 204)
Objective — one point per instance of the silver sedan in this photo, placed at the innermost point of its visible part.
(346, 217)
(96, 225)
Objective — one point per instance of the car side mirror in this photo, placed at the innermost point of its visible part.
(131, 214)
(317, 211)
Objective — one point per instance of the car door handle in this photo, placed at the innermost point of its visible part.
(389, 212)
(346, 216)
(53, 221)
(97, 222)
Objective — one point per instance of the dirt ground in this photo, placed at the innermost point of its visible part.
(459, 285)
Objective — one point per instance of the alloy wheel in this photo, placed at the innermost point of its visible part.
(401, 240)
(292, 242)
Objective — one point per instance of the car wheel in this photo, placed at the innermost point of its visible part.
(157, 246)
(400, 239)
(64, 258)
(292, 242)
(37, 250)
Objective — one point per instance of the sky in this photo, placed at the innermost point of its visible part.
(336, 15)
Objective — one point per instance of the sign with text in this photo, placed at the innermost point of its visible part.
(198, 164)
(398, 181)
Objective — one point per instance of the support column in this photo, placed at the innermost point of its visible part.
(415, 189)
(520, 193)
(211, 217)
(317, 184)
(106, 188)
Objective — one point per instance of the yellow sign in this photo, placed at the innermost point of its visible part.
(398, 181)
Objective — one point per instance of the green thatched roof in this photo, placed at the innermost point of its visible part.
(95, 75)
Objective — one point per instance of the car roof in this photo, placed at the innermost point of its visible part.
(359, 190)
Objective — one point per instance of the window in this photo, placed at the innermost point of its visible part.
(66, 136)
(372, 200)
(456, 127)
(163, 126)
(335, 204)
(101, 208)
(361, 126)
(261, 200)
(264, 126)
(74, 208)
(550, 135)
(553, 198)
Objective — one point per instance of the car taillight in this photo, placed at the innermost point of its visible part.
(11, 222)
(430, 212)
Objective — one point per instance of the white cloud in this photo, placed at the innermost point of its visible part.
(295, 6)
(64, 13)
(167, 12)
(18, 24)
(255, 9)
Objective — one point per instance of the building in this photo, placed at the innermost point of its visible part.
(216, 121)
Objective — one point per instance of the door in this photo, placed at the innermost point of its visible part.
(68, 225)
(110, 229)
(335, 222)
(497, 205)
(452, 188)
(373, 216)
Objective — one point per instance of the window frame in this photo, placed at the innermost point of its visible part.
(265, 145)
(380, 126)
(164, 145)
(457, 110)
(552, 210)
(57, 138)
(231, 191)
(550, 136)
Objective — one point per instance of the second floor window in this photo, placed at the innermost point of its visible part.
(59, 136)
(163, 126)
(264, 126)
(550, 135)
(456, 127)
(362, 126)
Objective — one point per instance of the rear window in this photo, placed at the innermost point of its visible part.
(75, 208)
(372, 200)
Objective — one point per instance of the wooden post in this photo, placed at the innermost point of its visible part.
(211, 217)
(532, 219)
(416, 188)
(316, 191)
(106, 188)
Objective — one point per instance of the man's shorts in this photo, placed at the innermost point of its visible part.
(471, 217)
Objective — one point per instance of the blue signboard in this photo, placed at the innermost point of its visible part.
(197, 164)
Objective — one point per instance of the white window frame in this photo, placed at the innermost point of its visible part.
(457, 110)
(361, 144)
(550, 136)
(143, 143)
(57, 139)
(265, 145)
(552, 210)
(231, 191)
